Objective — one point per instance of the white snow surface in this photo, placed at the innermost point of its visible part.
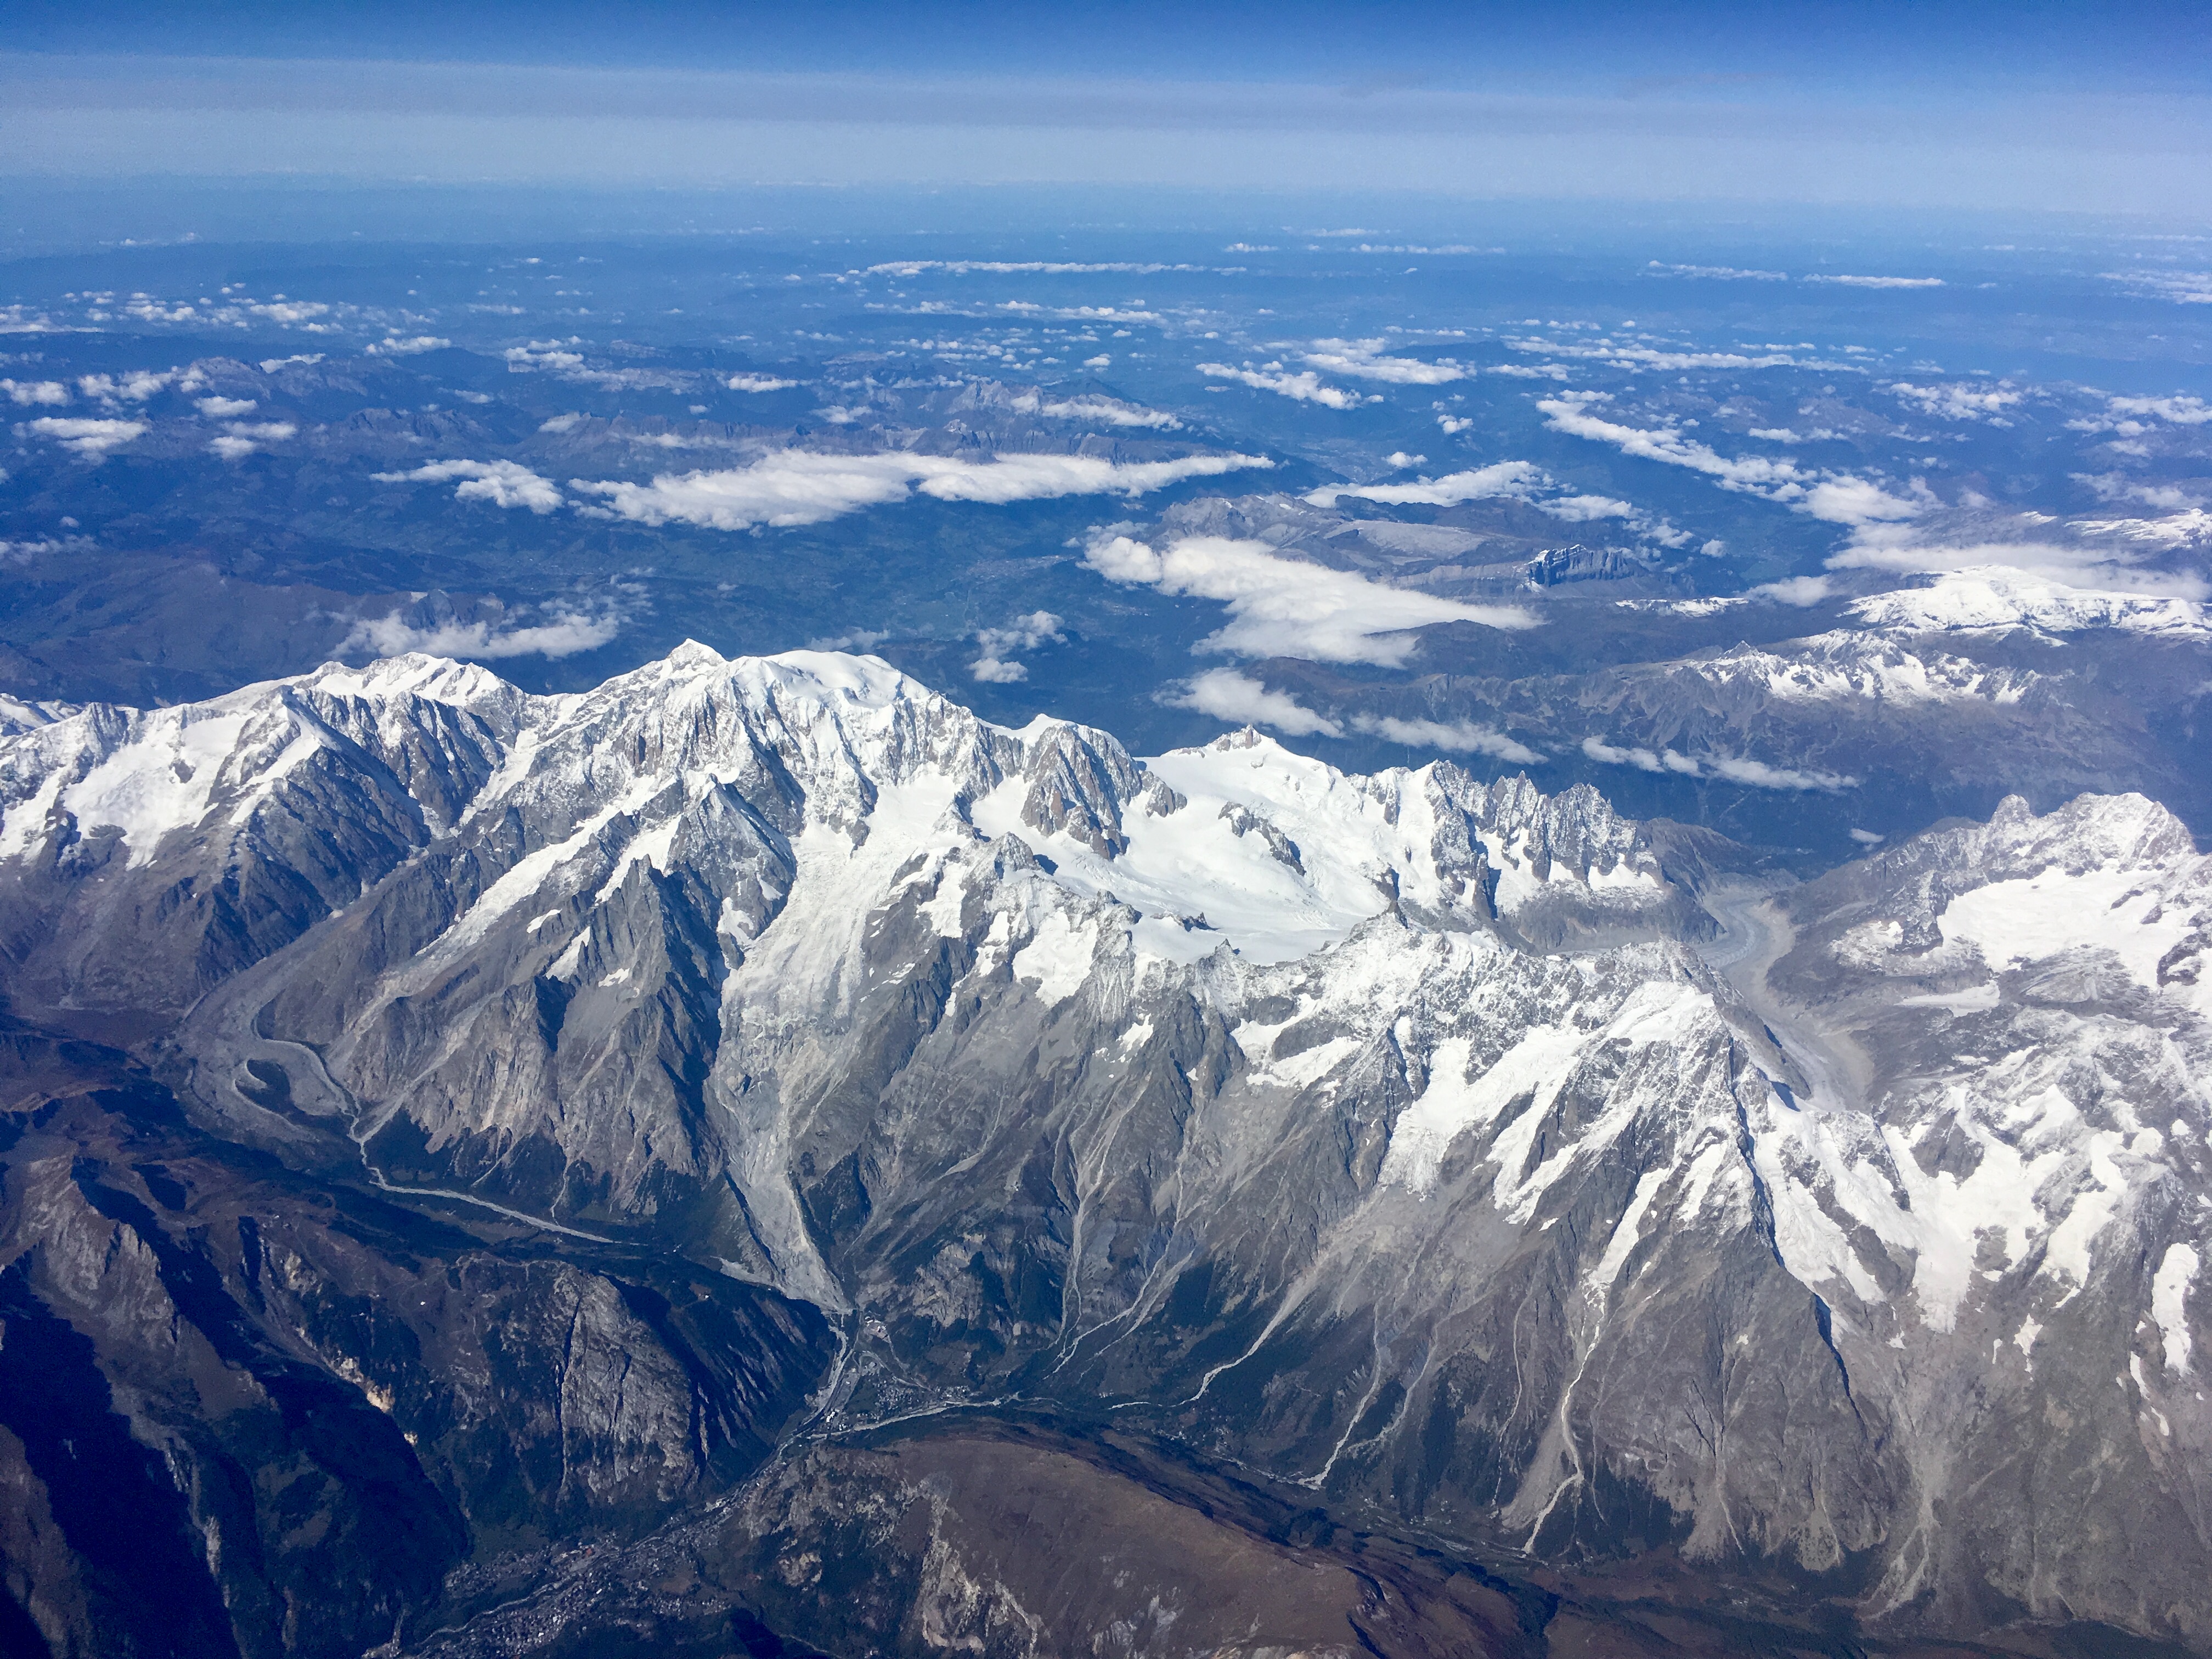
(2177, 1273)
(1239, 868)
(2115, 876)
(1847, 664)
(1987, 597)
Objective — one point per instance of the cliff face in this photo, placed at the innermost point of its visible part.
(553, 1114)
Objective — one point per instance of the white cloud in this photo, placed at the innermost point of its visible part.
(1756, 775)
(1643, 760)
(217, 409)
(2188, 288)
(1651, 357)
(541, 354)
(852, 639)
(135, 386)
(1514, 478)
(1880, 281)
(2098, 554)
(246, 436)
(1228, 695)
(52, 392)
(799, 486)
(412, 346)
(1717, 273)
(758, 383)
(1288, 607)
(2115, 487)
(290, 311)
(1361, 359)
(1838, 498)
(1462, 737)
(1794, 590)
(566, 633)
(995, 665)
(1847, 500)
(1760, 775)
(561, 423)
(1081, 314)
(1112, 411)
(1398, 458)
(93, 439)
(22, 552)
(1101, 360)
(1587, 510)
(1453, 426)
(2180, 411)
(1306, 386)
(503, 484)
(1957, 400)
(1017, 268)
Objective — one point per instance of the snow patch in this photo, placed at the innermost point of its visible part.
(2169, 1295)
(1058, 957)
(2114, 908)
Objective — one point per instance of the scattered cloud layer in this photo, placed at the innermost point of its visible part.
(996, 665)
(1228, 695)
(137, 386)
(1878, 282)
(1795, 590)
(1362, 360)
(94, 439)
(2111, 555)
(409, 345)
(1286, 607)
(1721, 768)
(758, 383)
(1616, 354)
(1716, 273)
(1091, 407)
(1017, 268)
(563, 634)
(2188, 288)
(243, 438)
(1960, 400)
(1458, 737)
(1835, 497)
(1305, 387)
(800, 487)
(1514, 478)
(2174, 411)
(1511, 480)
(52, 393)
(503, 484)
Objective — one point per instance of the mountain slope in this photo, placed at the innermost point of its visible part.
(1480, 1162)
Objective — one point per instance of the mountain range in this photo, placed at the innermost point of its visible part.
(753, 1157)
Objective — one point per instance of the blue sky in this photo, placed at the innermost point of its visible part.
(2018, 106)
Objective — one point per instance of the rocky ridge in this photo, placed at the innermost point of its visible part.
(1472, 1160)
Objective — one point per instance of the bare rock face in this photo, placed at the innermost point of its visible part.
(313, 1406)
(1460, 1162)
